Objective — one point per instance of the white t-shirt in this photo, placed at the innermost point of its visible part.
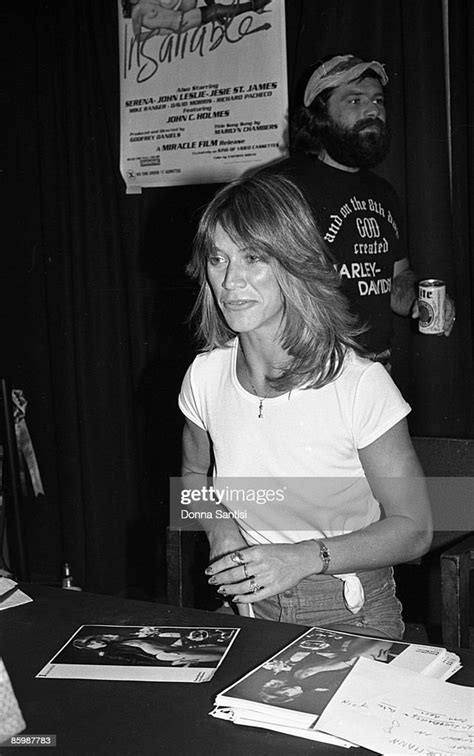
(305, 446)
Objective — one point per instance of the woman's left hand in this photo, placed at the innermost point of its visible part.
(258, 572)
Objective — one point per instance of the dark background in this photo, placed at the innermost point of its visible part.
(94, 296)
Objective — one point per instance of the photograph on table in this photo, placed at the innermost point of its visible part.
(142, 652)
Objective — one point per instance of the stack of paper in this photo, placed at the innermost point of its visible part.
(289, 692)
(430, 661)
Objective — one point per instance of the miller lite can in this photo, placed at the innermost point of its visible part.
(431, 296)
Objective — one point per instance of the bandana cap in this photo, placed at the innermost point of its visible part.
(340, 70)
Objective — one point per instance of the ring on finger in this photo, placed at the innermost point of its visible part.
(237, 557)
(254, 586)
(246, 571)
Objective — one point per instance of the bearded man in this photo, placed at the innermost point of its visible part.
(339, 135)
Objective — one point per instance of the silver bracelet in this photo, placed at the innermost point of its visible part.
(324, 555)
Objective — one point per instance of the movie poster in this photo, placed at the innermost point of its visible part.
(203, 89)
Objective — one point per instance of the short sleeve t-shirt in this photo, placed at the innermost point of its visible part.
(306, 444)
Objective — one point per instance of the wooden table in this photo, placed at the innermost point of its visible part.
(94, 717)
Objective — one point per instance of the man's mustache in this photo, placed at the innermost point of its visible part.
(369, 122)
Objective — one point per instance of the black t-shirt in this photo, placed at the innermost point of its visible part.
(359, 217)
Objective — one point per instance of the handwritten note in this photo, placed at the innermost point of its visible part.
(390, 710)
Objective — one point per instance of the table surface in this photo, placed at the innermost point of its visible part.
(96, 717)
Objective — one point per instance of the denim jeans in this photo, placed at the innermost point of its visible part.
(318, 601)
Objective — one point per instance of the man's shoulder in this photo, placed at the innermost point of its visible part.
(296, 164)
(307, 172)
(376, 180)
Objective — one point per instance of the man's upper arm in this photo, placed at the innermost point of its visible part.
(196, 450)
(400, 265)
(403, 293)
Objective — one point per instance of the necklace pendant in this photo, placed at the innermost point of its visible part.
(260, 408)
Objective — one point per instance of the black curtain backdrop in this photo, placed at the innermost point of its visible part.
(461, 45)
(94, 292)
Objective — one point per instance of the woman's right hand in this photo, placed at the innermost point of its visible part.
(223, 543)
(226, 544)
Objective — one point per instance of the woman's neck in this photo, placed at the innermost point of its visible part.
(258, 360)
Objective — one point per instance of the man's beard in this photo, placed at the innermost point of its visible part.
(354, 147)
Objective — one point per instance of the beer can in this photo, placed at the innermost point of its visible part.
(431, 296)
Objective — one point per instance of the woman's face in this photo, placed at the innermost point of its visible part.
(95, 643)
(245, 286)
(291, 691)
(278, 689)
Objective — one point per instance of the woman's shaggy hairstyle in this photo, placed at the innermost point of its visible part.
(269, 215)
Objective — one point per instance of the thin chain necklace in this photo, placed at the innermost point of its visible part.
(260, 399)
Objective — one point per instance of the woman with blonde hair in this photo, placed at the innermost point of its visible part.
(282, 393)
